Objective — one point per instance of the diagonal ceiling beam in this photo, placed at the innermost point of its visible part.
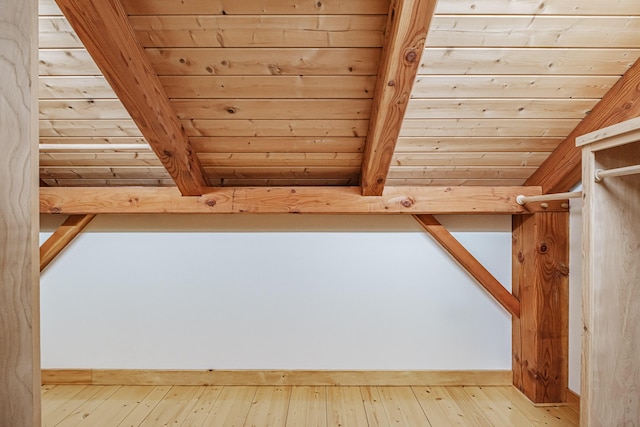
(104, 28)
(404, 43)
(469, 263)
(61, 238)
(562, 170)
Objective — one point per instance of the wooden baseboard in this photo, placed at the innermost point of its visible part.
(274, 378)
(573, 401)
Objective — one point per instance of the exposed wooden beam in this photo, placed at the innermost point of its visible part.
(470, 263)
(19, 289)
(104, 29)
(404, 43)
(562, 169)
(541, 283)
(62, 237)
(321, 200)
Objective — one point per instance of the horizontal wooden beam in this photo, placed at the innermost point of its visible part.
(317, 200)
(62, 237)
(104, 29)
(470, 263)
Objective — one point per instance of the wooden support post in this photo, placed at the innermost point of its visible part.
(19, 297)
(62, 237)
(541, 283)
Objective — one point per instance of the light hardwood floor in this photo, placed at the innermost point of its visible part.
(78, 405)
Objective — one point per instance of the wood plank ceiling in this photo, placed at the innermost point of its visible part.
(279, 93)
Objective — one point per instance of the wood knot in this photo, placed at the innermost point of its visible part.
(391, 83)
(520, 256)
(210, 202)
(411, 56)
(380, 181)
(231, 110)
(55, 210)
(407, 203)
(544, 248)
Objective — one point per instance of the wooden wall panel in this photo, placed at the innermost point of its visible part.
(19, 288)
(611, 293)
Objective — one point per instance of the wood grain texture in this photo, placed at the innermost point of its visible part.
(406, 33)
(611, 292)
(294, 406)
(563, 169)
(105, 31)
(262, 31)
(61, 238)
(527, 61)
(509, 86)
(274, 377)
(541, 31)
(255, 7)
(540, 281)
(538, 7)
(469, 263)
(256, 87)
(408, 200)
(263, 62)
(19, 289)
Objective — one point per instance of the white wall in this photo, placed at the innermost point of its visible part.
(274, 292)
(575, 293)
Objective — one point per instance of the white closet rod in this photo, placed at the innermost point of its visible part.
(522, 200)
(628, 170)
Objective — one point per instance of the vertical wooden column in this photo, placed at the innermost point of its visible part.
(541, 283)
(19, 261)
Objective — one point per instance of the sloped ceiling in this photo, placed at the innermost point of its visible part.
(280, 93)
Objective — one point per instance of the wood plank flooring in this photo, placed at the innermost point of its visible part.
(79, 405)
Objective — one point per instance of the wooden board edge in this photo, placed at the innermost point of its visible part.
(276, 377)
(573, 400)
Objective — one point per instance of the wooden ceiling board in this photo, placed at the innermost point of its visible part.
(260, 31)
(276, 128)
(476, 144)
(255, 7)
(279, 92)
(277, 144)
(539, 7)
(265, 62)
(512, 86)
(278, 87)
(511, 70)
